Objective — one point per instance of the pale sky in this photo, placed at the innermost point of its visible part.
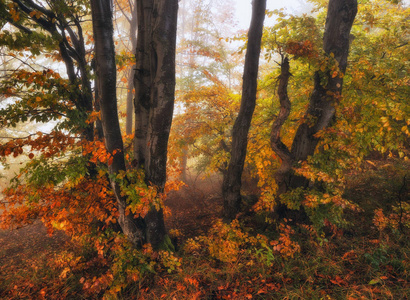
(244, 9)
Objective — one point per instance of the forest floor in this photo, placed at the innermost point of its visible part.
(371, 264)
(193, 207)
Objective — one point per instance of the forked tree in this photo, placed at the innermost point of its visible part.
(320, 113)
(323, 100)
(156, 53)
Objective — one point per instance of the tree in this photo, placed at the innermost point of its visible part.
(60, 28)
(69, 158)
(323, 100)
(206, 83)
(156, 43)
(65, 158)
(232, 178)
(154, 98)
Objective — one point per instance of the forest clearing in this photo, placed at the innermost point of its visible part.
(152, 149)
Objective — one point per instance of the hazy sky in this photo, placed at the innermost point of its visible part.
(244, 9)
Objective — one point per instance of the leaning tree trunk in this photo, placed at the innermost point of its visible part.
(106, 81)
(340, 17)
(231, 188)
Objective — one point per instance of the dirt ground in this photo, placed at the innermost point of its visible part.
(195, 206)
(17, 245)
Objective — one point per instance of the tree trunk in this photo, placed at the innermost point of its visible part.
(154, 99)
(142, 80)
(276, 143)
(106, 81)
(164, 30)
(184, 164)
(340, 17)
(231, 188)
(130, 105)
(130, 94)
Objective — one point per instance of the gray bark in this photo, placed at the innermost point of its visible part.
(276, 143)
(142, 80)
(154, 99)
(163, 49)
(340, 17)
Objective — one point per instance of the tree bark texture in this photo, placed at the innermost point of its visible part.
(164, 30)
(231, 188)
(276, 143)
(106, 80)
(154, 98)
(339, 21)
(324, 98)
(142, 80)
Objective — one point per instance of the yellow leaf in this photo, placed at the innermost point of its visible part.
(38, 99)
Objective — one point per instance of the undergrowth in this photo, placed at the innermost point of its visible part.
(369, 259)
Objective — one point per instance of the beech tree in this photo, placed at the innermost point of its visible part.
(326, 94)
(60, 29)
(231, 189)
(320, 147)
(154, 98)
(154, 105)
(70, 155)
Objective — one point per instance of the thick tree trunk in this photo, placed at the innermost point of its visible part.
(106, 80)
(154, 99)
(142, 80)
(164, 30)
(231, 189)
(321, 110)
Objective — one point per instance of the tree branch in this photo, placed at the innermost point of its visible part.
(285, 106)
